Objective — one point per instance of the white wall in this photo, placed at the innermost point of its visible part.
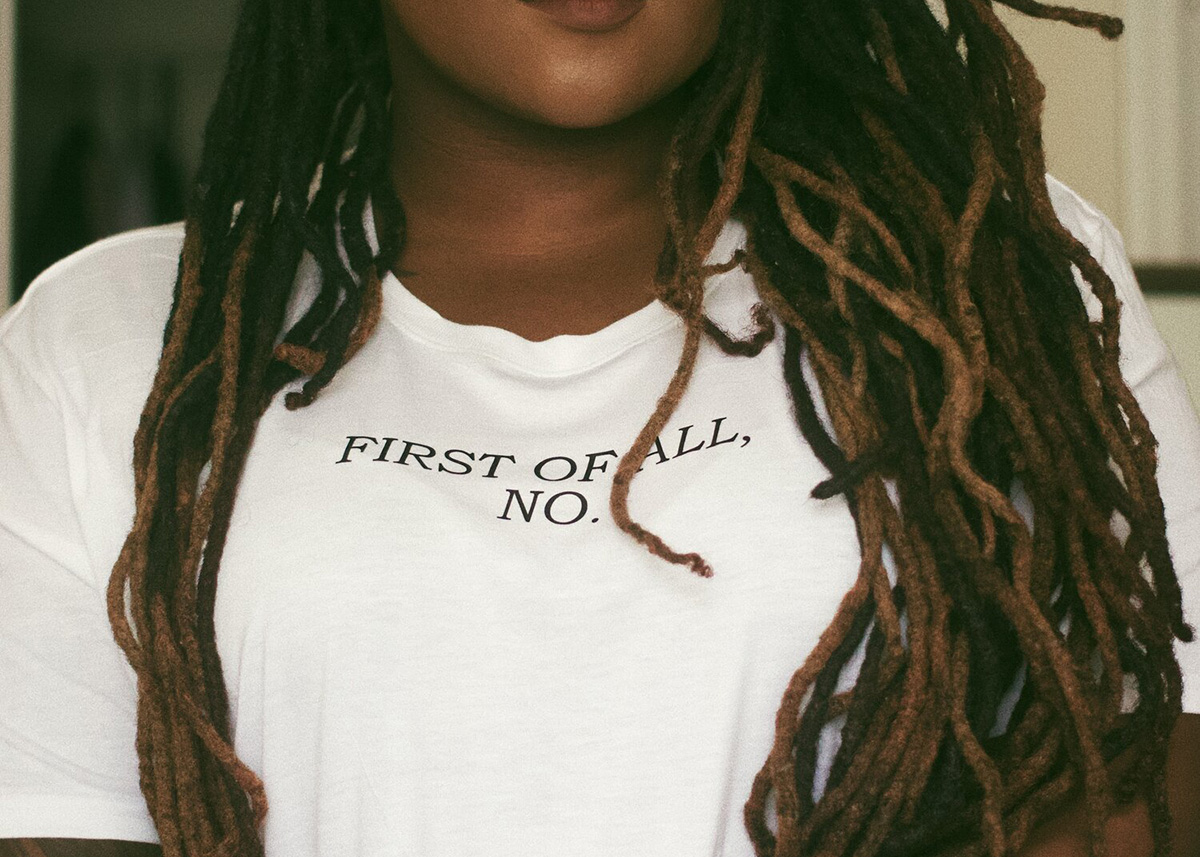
(1083, 124)
(1122, 119)
(1177, 318)
(1122, 127)
(1162, 155)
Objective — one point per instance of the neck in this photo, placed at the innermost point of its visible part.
(493, 185)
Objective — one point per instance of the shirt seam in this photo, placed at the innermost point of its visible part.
(421, 336)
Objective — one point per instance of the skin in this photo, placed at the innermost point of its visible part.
(1127, 832)
(527, 157)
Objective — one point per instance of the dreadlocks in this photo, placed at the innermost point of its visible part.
(889, 168)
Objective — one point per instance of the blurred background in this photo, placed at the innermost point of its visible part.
(103, 103)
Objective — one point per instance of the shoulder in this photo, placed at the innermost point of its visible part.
(1084, 220)
(1143, 352)
(1100, 236)
(1103, 240)
(113, 294)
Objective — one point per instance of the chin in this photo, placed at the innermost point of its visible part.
(516, 59)
(579, 110)
(587, 97)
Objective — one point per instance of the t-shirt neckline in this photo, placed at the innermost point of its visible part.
(565, 354)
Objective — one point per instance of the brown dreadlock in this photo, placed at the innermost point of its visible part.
(889, 168)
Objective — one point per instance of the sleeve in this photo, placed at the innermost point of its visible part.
(68, 704)
(1153, 376)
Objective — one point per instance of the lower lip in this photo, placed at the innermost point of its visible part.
(588, 16)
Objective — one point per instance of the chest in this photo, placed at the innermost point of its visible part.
(424, 602)
(475, 514)
(434, 606)
(411, 513)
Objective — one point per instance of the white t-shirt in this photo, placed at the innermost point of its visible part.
(435, 640)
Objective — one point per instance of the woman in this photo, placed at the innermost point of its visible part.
(507, 343)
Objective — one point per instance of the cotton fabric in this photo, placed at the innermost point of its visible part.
(436, 642)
